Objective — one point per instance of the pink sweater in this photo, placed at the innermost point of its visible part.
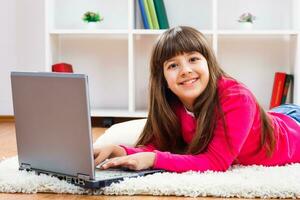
(244, 131)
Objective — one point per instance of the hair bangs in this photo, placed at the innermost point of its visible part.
(177, 43)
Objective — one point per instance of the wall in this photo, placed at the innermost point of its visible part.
(8, 53)
(21, 43)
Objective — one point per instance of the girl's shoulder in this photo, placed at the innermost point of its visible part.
(228, 86)
(234, 94)
(225, 82)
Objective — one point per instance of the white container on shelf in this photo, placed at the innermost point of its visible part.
(246, 25)
(92, 25)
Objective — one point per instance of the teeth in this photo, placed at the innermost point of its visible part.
(189, 81)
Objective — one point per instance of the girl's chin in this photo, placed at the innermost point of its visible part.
(191, 91)
(190, 96)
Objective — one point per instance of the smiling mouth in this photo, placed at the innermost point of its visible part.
(187, 82)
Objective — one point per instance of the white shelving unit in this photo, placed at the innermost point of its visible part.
(115, 56)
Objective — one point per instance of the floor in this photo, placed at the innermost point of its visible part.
(8, 148)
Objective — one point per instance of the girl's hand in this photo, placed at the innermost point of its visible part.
(138, 161)
(108, 151)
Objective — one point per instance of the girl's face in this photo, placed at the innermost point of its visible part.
(187, 76)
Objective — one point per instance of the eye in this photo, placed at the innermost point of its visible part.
(194, 59)
(172, 66)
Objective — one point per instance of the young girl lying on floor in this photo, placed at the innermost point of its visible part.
(201, 119)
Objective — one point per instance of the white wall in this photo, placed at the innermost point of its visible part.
(30, 35)
(21, 43)
(8, 53)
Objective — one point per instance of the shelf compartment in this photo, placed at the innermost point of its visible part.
(67, 14)
(254, 59)
(104, 60)
(195, 13)
(270, 14)
(142, 51)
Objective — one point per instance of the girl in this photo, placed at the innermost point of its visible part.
(202, 119)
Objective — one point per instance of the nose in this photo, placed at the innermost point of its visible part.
(186, 69)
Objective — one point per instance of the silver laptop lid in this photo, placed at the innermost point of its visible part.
(53, 127)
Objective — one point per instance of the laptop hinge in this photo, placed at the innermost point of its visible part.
(25, 166)
(83, 176)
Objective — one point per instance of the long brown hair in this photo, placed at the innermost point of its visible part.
(163, 127)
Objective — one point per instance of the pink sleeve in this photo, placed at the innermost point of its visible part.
(239, 113)
(132, 150)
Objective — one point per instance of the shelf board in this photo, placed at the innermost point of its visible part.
(148, 31)
(223, 32)
(117, 113)
(257, 32)
(86, 31)
(160, 31)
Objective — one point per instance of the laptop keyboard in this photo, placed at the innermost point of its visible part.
(112, 173)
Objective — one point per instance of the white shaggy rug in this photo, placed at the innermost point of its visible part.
(239, 181)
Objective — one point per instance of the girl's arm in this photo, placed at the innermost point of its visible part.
(239, 110)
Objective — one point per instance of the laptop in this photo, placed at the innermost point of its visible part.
(53, 129)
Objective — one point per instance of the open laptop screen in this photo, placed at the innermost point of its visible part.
(53, 122)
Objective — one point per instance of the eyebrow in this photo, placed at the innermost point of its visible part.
(192, 52)
(170, 60)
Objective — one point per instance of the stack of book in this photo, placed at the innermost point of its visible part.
(154, 14)
(282, 87)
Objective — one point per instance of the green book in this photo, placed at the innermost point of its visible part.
(161, 14)
(153, 14)
(287, 88)
(148, 14)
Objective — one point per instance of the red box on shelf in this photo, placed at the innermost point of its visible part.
(62, 67)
